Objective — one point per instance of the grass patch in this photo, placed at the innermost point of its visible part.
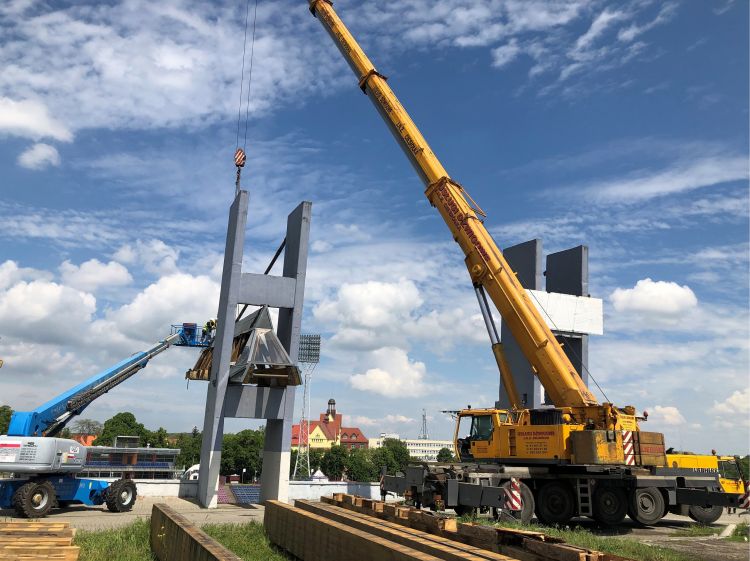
(741, 533)
(246, 540)
(696, 530)
(131, 542)
(582, 537)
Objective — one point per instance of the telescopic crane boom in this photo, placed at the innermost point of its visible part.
(488, 268)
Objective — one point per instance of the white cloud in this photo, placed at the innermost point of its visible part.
(666, 13)
(600, 24)
(92, 274)
(368, 315)
(30, 119)
(172, 299)
(682, 176)
(154, 256)
(141, 64)
(737, 405)
(505, 54)
(39, 156)
(393, 374)
(45, 311)
(365, 421)
(654, 297)
(11, 273)
(666, 415)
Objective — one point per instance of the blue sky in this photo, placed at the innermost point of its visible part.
(623, 126)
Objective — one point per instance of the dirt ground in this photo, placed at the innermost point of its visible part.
(96, 518)
(707, 548)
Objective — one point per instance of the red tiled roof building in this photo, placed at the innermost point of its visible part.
(328, 431)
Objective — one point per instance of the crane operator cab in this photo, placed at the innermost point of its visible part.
(481, 426)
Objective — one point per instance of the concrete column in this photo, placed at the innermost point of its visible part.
(277, 448)
(213, 422)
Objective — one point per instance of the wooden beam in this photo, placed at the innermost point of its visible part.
(174, 538)
(311, 537)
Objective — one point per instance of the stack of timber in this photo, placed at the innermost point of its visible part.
(37, 541)
(349, 527)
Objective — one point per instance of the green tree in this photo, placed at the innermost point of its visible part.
(399, 452)
(316, 459)
(744, 463)
(445, 455)
(190, 449)
(5, 414)
(158, 438)
(87, 426)
(65, 433)
(334, 461)
(360, 466)
(122, 424)
(383, 458)
(242, 450)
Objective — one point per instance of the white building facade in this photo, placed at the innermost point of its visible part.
(420, 449)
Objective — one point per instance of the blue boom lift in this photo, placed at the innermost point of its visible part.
(44, 467)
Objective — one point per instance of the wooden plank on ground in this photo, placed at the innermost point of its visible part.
(311, 537)
(422, 541)
(24, 540)
(524, 545)
(174, 538)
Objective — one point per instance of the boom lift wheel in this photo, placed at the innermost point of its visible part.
(555, 503)
(34, 499)
(610, 505)
(705, 514)
(120, 496)
(646, 505)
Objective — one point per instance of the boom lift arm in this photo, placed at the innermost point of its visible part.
(487, 267)
(50, 418)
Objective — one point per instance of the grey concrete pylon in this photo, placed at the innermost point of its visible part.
(275, 404)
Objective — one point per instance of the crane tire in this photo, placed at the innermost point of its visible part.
(34, 499)
(555, 503)
(527, 506)
(610, 505)
(646, 506)
(121, 495)
(705, 514)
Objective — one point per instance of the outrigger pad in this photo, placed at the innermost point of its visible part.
(258, 357)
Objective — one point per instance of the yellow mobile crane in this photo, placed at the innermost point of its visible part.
(581, 457)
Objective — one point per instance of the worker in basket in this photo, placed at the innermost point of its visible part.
(209, 330)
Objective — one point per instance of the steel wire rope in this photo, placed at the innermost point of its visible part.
(250, 72)
(572, 350)
(242, 75)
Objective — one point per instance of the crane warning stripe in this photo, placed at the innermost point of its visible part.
(10, 444)
(627, 447)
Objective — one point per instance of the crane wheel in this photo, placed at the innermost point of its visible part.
(646, 506)
(555, 503)
(34, 499)
(120, 496)
(705, 514)
(527, 506)
(610, 505)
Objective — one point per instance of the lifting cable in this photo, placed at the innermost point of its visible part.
(572, 350)
(240, 153)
